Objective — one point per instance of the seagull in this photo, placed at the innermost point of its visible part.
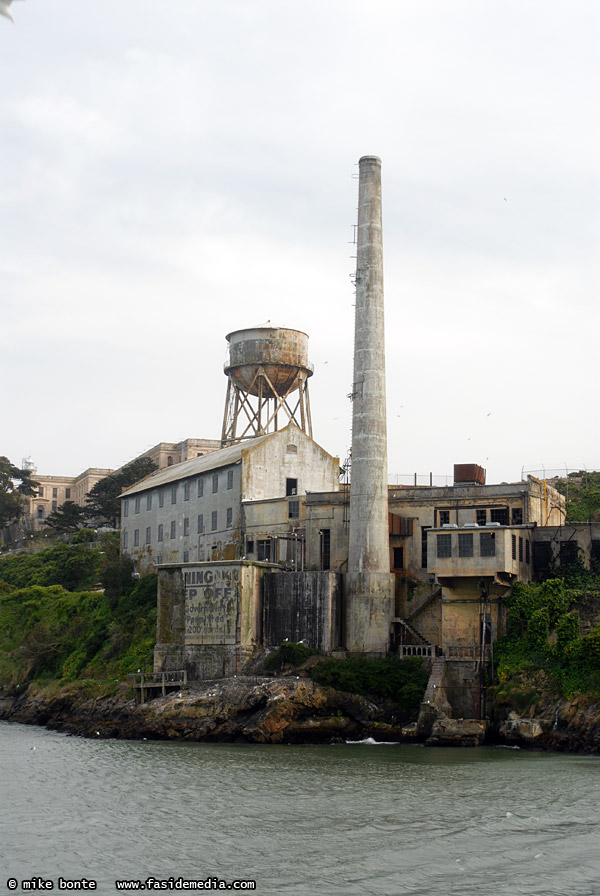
(5, 9)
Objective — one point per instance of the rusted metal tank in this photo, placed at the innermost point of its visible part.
(278, 352)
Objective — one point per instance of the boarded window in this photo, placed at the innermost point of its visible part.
(400, 525)
(444, 545)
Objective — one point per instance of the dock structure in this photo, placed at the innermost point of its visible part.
(147, 682)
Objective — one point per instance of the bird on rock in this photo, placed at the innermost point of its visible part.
(5, 9)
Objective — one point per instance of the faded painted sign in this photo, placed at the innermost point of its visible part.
(211, 605)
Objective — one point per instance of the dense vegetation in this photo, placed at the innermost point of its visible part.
(543, 635)
(582, 491)
(54, 628)
(390, 678)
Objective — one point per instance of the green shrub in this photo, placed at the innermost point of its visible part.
(290, 653)
(403, 681)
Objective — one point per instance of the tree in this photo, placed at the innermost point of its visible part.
(15, 486)
(69, 517)
(103, 504)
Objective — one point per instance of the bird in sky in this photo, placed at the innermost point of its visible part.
(5, 9)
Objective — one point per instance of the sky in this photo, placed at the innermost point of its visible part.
(170, 173)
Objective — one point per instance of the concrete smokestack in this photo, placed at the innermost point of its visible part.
(369, 584)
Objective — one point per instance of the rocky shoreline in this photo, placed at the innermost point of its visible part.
(288, 710)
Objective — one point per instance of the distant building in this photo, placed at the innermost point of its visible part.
(55, 490)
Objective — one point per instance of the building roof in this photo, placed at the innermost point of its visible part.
(195, 466)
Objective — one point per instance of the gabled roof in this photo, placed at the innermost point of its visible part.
(195, 466)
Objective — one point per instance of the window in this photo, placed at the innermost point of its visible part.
(250, 546)
(200, 487)
(293, 510)
(40, 492)
(481, 517)
(444, 517)
(213, 520)
(149, 501)
(229, 517)
(174, 494)
(229, 478)
(465, 544)
(54, 505)
(326, 549)
(517, 516)
(136, 538)
(520, 550)
(170, 460)
(291, 449)
(568, 552)
(137, 504)
(68, 494)
(263, 549)
(55, 493)
(186, 525)
(186, 556)
(291, 487)
(148, 534)
(161, 498)
(444, 545)
(173, 528)
(200, 523)
(186, 491)
(159, 559)
(215, 483)
(160, 532)
(40, 512)
(126, 507)
(527, 554)
(398, 558)
(499, 515)
(514, 547)
(424, 530)
(487, 544)
(125, 540)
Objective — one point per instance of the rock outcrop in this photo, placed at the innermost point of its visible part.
(254, 710)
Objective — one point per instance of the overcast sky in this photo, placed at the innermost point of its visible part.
(170, 172)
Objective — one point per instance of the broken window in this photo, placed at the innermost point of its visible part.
(481, 517)
(291, 487)
(263, 549)
(398, 558)
(444, 517)
(517, 516)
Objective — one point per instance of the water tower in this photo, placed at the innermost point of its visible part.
(267, 382)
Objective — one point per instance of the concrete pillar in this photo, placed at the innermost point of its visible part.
(369, 584)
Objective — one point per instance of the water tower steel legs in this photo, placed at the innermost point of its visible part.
(369, 584)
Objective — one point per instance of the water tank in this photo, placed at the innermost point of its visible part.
(280, 352)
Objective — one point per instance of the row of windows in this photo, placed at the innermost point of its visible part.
(160, 535)
(497, 515)
(173, 491)
(40, 493)
(487, 545)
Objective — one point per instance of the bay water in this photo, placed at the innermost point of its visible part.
(346, 819)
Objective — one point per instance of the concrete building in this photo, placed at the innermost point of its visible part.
(243, 502)
(55, 490)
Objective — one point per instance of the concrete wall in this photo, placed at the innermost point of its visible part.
(209, 618)
(303, 606)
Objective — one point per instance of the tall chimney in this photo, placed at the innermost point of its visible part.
(369, 584)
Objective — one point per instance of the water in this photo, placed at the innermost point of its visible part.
(344, 819)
